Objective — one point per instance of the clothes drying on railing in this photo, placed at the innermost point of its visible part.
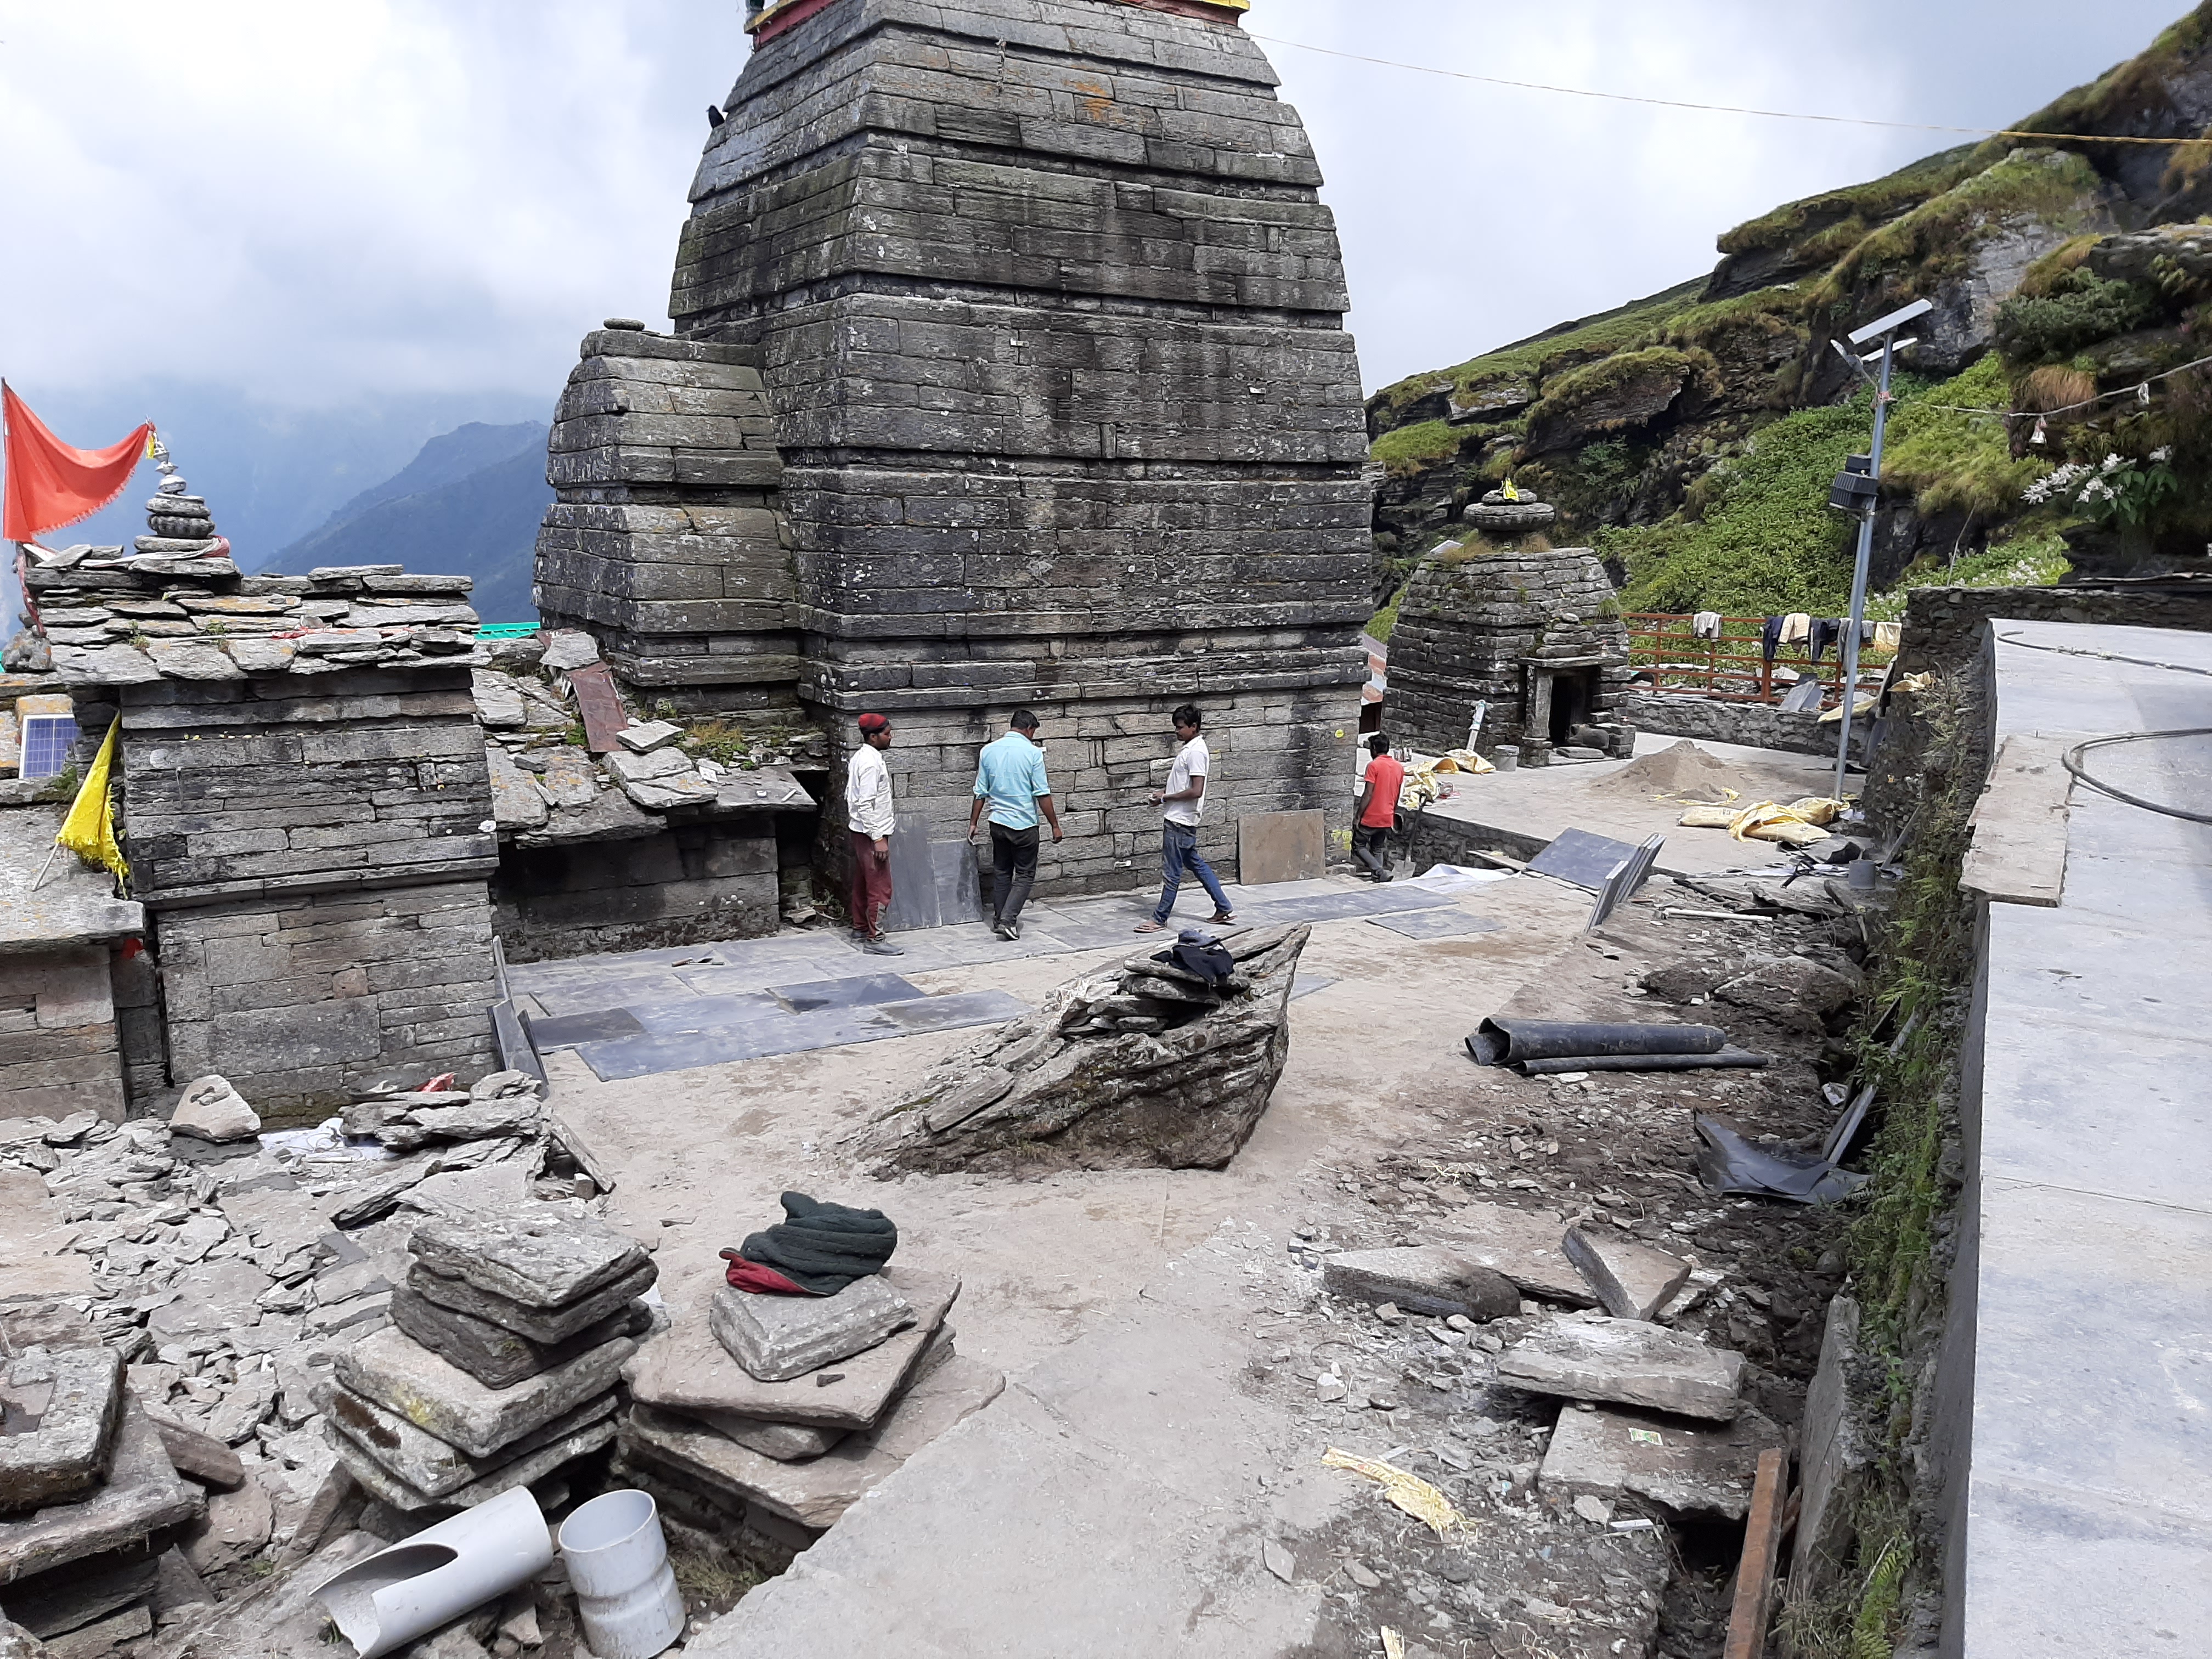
(1706, 625)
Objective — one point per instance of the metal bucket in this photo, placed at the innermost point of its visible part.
(618, 1566)
(1506, 757)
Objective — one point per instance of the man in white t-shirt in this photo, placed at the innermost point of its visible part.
(1183, 804)
(870, 811)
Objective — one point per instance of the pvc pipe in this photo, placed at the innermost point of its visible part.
(433, 1578)
(1510, 1041)
(626, 1591)
(1731, 1058)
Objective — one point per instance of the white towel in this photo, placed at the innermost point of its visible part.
(1706, 625)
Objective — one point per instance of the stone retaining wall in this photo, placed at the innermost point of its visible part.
(59, 1052)
(1714, 720)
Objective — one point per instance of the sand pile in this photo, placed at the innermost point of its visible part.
(1683, 773)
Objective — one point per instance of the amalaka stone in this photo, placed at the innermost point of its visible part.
(209, 1108)
(683, 1368)
(1428, 1278)
(538, 1324)
(777, 1338)
(548, 1260)
(1626, 1362)
(1693, 1468)
(397, 1372)
(429, 1467)
(817, 1492)
(1631, 1281)
(59, 1412)
(495, 1356)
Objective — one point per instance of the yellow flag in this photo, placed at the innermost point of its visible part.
(89, 831)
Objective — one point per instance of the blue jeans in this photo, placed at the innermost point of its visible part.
(1178, 852)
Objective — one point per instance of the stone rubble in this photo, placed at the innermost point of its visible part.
(1628, 1362)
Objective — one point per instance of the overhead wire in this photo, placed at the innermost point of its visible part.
(1717, 109)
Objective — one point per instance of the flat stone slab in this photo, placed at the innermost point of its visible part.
(567, 1030)
(397, 1372)
(143, 1494)
(1629, 1362)
(777, 1338)
(818, 1493)
(1437, 924)
(58, 1410)
(787, 1442)
(217, 1300)
(532, 1324)
(1428, 1278)
(1525, 1245)
(77, 1595)
(857, 992)
(683, 1368)
(1693, 1468)
(1631, 1281)
(544, 1260)
(495, 1356)
(426, 1464)
(522, 1471)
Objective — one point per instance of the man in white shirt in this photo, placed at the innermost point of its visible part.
(870, 814)
(1183, 802)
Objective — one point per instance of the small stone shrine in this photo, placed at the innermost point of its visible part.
(1531, 637)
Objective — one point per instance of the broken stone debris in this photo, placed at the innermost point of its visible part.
(1627, 1362)
(1150, 1066)
(1524, 1245)
(1694, 1468)
(416, 1428)
(1430, 1279)
(1631, 1281)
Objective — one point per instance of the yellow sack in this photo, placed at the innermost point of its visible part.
(1798, 824)
(1465, 760)
(1708, 817)
(89, 831)
(1407, 1490)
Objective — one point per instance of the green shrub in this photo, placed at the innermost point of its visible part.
(2034, 558)
(2080, 309)
(1955, 462)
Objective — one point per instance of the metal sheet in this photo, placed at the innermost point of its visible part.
(598, 704)
(1581, 857)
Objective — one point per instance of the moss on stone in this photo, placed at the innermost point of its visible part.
(2133, 97)
(1843, 216)
(1411, 450)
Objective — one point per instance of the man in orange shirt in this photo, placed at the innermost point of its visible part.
(1378, 808)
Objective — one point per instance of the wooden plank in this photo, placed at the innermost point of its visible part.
(600, 705)
(1754, 1576)
(2019, 825)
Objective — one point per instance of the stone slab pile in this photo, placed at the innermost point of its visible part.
(772, 1415)
(1147, 1066)
(509, 1333)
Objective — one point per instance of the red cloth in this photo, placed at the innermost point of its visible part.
(872, 885)
(1387, 774)
(761, 1281)
(50, 485)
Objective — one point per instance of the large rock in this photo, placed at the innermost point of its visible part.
(538, 1260)
(816, 1494)
(1693, 1468)
(546, 1326)
(683, 1368)
(1143, 1067)
(62, 1407)
(211, 1109)
(430, 1466)
(1627, 1362)
(1428, 1279)
(1798, 991)
(777, 1338)
(401, 1375)
(495, 1356)
(1631, 1280)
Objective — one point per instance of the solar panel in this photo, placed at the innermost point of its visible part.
(48, 740)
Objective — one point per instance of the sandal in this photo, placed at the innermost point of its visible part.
(1221, 919)
(1151, 928)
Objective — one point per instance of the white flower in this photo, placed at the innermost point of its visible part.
(2113, 464)
(2162, 454)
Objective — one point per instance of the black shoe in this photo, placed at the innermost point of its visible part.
(877, 947)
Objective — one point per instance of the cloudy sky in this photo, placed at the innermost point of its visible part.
(420, 204)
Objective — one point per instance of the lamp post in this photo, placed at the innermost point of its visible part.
(1855, 491)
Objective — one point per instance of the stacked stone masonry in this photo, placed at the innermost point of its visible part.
(1049, 319)
(59, 1048)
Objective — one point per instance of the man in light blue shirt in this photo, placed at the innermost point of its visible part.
(1010, 777)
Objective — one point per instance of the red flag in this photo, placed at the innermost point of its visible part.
(50, 485)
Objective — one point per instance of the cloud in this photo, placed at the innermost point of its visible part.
(316, 205)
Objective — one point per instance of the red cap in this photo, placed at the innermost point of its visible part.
(872, 723)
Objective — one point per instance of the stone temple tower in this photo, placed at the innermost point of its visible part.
(1048, 320)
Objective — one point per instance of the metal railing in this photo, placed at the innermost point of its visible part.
(1734, 666)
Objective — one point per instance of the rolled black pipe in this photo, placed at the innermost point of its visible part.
(1728, 1057)
(1509, 1041)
